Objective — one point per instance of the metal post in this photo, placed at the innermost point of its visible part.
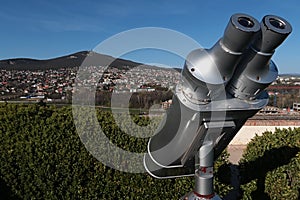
(204, 188)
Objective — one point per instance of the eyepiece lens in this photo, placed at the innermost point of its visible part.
(277, 23)
(246, 22)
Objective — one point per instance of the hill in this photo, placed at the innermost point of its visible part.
(72, 60)
(290, 75)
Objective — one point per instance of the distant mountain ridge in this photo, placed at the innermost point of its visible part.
(72, 60)
(77, 59)
(290, 74)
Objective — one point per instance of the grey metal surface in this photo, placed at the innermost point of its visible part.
(204, 174)
(256, 71)
(206, 70)
(193, 196)
(204, 184)
(171, 151)
(220, 89)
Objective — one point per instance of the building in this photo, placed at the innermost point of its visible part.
(296, 106)
(166, 104)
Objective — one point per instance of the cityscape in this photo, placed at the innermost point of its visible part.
(58, 84)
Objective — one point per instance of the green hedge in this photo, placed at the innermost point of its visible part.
(270, 167)
(42, 157)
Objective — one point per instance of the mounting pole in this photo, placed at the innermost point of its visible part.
(204, 188)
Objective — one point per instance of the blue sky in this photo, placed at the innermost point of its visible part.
(46, 29)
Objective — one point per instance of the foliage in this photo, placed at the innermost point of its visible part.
(270, 167)
(42, 157)
(222, 175)
(137, 99)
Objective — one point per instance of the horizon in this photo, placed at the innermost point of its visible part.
(45, 30)
(147, 64)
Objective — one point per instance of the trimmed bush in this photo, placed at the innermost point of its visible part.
(270, 167)
(42, 157)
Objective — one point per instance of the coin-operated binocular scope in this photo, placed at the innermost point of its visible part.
(220, 89)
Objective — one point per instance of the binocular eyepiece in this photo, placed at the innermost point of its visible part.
(256, 71)
(239, 61)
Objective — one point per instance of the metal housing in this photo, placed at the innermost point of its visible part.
(221, 88)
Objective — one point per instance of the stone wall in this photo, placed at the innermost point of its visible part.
(244, 136)
(272, 122)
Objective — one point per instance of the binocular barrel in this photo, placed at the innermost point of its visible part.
(205, 70)
(256, 70)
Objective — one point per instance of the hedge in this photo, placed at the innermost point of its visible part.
(42, 157)
(270, 167)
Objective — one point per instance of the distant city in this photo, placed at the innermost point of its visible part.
(57, 84)
(25, 80)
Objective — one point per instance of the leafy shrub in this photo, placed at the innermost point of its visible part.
(270, 167)
(222, 174)
(42, 157)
